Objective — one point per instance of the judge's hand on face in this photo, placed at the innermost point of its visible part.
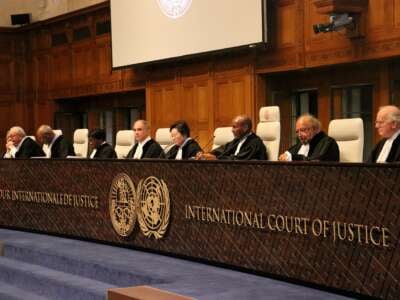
(9, 145)
(205, 156)
(283, 157)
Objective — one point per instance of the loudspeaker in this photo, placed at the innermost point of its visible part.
(20, 19)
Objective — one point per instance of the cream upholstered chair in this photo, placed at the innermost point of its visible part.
(222, 136)
(269, 130)
(81, 142)
(57, 131)
(349, 134)
(163, 137)
(124, 141)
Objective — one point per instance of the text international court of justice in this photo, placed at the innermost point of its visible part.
(199, 149)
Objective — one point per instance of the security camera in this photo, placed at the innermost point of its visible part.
(336, 23)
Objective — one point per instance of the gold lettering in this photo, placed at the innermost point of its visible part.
(262, 226)
(350, 237)
(269, 222)
(287, 224)
(385, 237)
(282, 223)
(239, 221)
(313, 227)
(326, 227)
(223, 217)
(371, 235)
(209, 217)
(256, 224)
(358, 226)
(247, 218)
(216, 214)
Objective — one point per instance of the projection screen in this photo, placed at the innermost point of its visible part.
(145, 31)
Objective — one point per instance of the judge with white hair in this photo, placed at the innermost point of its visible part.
(388, 126)
(19, 145)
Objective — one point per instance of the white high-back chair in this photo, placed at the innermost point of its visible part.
(349, 134)
(57, 131)
(124, 141)
(222, 136)
(269, 130)
(81, 142)
(163, 137)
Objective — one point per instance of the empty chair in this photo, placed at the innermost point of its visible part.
(163, 137)
(349, 134)
(269, 130)
(222, 136)
(81, 142)
(124, 141)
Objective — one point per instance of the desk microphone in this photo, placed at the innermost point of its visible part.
(209, 142)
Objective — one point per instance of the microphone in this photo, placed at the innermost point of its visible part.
(209, 142)
(165, 150)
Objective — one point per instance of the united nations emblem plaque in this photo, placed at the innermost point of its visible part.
(123, 205)
(154, 207)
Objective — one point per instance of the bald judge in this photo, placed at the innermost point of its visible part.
(313, 144)
(246, 145)
(388, 126)
(54, 145)
(145, 146)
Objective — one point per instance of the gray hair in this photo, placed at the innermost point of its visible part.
(16, 130)
(310, 119)
(144, 122)
(391, 113)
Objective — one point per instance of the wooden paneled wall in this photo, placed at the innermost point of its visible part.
(208, 91)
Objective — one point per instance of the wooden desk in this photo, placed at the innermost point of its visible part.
(333, 225)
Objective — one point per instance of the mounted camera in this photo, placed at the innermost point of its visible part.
(336, 23)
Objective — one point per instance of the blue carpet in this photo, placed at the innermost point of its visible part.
(43, 267)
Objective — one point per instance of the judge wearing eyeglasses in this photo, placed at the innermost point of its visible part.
(388, 126)
(313, 144)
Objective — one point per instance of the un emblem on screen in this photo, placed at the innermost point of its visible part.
(150, 204)
(174, 8)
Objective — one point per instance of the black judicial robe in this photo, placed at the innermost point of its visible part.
(322, 148)
(105, 151)
(394, 154)
(151, 149)
(252, 148)
(190, 150)
(29, 148)
(62, 148)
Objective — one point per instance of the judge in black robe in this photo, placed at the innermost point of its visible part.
(320, 146)
(145, 146)
(252, 148)
(388, 126)
(151, 149)
(21, 146)
(57, 145)
(185, 147)
(245, 146)
(29, 148)
(100, 148)
(62, 148)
